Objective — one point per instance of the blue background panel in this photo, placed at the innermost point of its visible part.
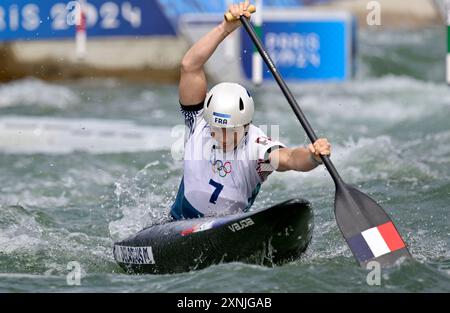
(47, 19)
(302, 50)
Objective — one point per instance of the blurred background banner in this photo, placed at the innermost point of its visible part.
(51, 19)
(48, 19)
(146, 39)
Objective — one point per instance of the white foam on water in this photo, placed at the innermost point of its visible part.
(149, 96)
(390, 99)
(34, 92)
(30, 135)
(24, 196)
(19, 231)
(142, 202)
(10, 243)
(48, 250)
(351, 160)
(440, 143)
(388, 84)
(25, 276)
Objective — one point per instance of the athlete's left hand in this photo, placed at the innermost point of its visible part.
(320, 147)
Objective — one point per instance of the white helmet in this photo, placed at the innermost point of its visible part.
(228, 105)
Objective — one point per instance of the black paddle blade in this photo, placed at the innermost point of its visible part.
(367, 228)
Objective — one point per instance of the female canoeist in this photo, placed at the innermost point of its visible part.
(226, 157)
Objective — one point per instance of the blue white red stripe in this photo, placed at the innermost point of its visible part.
(197, 228)
(207, 225)
(375, 242)
(222, 115)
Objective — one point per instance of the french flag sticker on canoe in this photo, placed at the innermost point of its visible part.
(375, 242)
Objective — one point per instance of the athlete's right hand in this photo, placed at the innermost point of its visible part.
(237, 10)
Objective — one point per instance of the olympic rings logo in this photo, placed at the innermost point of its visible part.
(222, 168)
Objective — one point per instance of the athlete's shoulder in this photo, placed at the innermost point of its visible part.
(255, 129)
(257, 135)
(261, 144)
(193, 118)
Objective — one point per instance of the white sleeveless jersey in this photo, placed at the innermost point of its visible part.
(217, 183)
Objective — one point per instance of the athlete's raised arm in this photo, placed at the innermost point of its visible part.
(193, 84)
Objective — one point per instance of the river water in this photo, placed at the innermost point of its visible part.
(64, 199)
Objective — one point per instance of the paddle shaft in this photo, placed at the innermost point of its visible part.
(290, 98)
